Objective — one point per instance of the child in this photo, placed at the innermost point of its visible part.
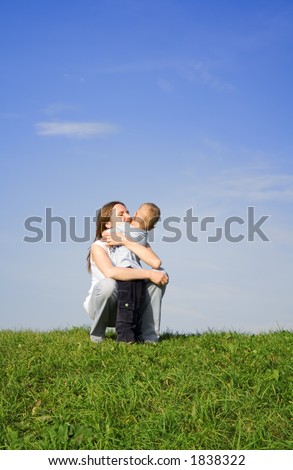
(130, 293)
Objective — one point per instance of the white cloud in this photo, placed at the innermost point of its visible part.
(75, 78)
(254, 183)
(11, 115)
(165, 85)
(56, 108)
(267, 187)
(75, 129)
(139, 66)
(282, 236)
(188, 69)
(192, 69)
(215, 146)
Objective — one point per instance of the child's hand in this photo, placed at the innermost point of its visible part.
(158, 277)
(113, 239)
(104, 235)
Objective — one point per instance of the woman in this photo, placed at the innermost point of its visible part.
(101, 302)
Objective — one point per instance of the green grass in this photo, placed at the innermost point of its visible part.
(209, 391)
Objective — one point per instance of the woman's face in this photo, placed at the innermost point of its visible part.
(119, 214)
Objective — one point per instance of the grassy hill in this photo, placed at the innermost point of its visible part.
(209, 391)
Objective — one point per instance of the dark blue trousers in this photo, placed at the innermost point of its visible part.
(129, 318)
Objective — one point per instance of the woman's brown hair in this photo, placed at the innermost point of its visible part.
(103, 216)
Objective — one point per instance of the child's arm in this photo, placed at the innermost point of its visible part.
(145, 253)
(104, 264)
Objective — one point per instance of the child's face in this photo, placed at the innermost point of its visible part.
(144, 215)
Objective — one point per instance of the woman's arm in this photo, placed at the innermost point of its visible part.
(104, 264)
(145, 253)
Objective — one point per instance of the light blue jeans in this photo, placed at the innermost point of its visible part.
(103, 309)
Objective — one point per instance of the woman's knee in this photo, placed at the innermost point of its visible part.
(155, 291)
(104, 293)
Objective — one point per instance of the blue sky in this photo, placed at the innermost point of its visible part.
(184, 103)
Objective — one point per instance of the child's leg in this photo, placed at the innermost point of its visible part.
(129, 319)
(125, 312)
(137, 320)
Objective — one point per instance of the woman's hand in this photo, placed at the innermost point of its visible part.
(158, 277)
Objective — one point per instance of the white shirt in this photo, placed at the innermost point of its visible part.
(122, 256)
(96, 274)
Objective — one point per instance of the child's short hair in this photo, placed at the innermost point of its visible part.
(155, 214)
